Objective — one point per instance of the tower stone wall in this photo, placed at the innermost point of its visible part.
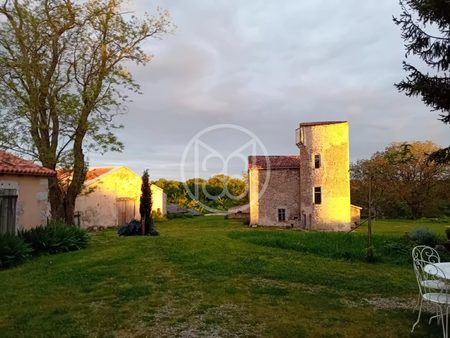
(327, 143)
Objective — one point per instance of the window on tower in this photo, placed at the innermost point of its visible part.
(317, 195)
(317, 161)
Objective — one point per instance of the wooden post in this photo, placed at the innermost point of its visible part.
(369, 222)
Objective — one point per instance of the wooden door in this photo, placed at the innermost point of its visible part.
(125, 210)
(8, 200)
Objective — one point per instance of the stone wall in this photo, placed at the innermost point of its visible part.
(253, 177)
(356, 214)
(32, 208)
(330, 141)
(280, 192)
(98, 203)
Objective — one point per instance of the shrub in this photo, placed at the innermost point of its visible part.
(13, 250)
(55, 238)
(178, 215)
(398, 250)
(447, 232)
(158, 216)
(424, 236)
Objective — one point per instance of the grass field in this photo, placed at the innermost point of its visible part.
(208, 277)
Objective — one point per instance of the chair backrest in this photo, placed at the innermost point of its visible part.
(426, 254)
(423, 255)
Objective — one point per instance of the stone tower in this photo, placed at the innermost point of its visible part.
(324, 176)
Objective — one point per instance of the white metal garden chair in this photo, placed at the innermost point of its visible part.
(433, 289)
(427, 255)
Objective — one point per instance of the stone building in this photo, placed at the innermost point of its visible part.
(239, 212)
(111, 196)
(23, 193)
(310, 190)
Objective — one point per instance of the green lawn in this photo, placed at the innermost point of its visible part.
(208, 277)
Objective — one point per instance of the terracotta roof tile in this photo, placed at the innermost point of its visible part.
(274, 162)
(93, 173)
(14, 165)
(96, 172)
(320, 123)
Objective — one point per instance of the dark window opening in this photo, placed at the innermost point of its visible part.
(281, 215)
(317, 161)
(317, 195)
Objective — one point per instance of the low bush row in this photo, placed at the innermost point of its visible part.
(50, 239)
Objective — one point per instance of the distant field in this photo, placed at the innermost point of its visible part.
(209, 277)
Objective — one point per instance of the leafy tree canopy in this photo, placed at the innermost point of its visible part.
(218, 192)
(63, 78)
(404, 183)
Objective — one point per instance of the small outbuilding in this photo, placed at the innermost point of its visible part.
(111, 197)
(356, 214)
(23, 193)
(239, 212)
(175, 210)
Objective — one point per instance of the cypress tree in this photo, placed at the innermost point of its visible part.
(145, 207)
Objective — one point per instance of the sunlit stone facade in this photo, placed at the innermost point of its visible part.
(312, 190)
(111, 196)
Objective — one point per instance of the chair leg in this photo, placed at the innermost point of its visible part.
(438, 318)
(446, 323)
(419, 302)
(441, 312)
(418, 317)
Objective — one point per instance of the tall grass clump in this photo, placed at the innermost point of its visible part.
(332, 245)
(13, 250)
(344, 246)
(55, 238)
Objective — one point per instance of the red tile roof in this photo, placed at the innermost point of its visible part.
(320, 123)
(96, 172)
(274, 162)
(13, 165)
(66, 174)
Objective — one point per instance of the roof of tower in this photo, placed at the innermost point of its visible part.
(274, 162)
(319, 123)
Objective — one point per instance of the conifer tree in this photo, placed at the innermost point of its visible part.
(145, 207)
(425, 26)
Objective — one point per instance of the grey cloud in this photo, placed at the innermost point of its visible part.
(267, 66)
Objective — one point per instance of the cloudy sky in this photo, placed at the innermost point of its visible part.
(266, 66)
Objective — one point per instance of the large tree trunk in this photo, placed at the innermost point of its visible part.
(62, 201)
(56, 198)
(69, 209)
(78, 176)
